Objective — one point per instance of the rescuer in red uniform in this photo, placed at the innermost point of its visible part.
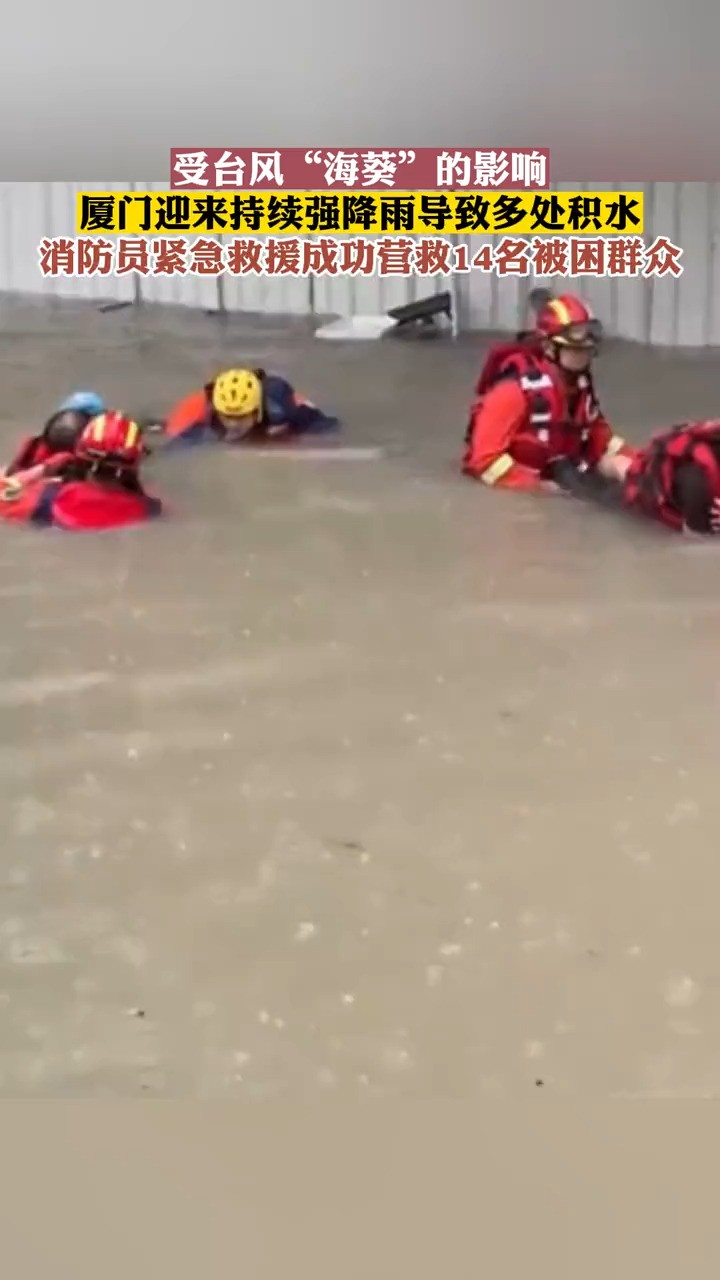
(99, 486)
(48, 451)
(536, 402)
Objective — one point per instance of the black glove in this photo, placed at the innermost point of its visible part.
(564, 473)
(586, 484)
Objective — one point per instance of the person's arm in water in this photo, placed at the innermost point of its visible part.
(609, 452)
(187, 419)
(24, 457)
(494, 424)
(288, 413)
(43, 470)
(588, 485)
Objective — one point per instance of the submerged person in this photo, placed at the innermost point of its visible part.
(98, 487)
(246, 406)
(674, 479)
(536, 401)
(49, 451)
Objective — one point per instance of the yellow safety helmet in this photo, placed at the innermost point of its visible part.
(237, 394)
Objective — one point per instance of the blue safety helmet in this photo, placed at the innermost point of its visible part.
(88, 402)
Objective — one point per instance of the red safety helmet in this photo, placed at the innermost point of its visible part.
(111, 438)
(568, 322)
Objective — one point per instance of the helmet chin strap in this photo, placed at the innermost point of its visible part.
(557, 351)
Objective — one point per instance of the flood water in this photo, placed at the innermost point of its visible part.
(351, 779)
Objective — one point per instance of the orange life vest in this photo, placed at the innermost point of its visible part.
(559, 422)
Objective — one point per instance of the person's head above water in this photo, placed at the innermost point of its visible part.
(569, 333)
(87, 402)
(110, 445)
(237, 400)
(696, 487)
(63, 429)
(61, 432)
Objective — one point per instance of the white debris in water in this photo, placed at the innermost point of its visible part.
(278, 1023)
(305, 930)
(468, 920)
(227, 736)
(450, 949)
(410, 718)
(494, 924)
(348, 998)
(683, 811)
(474, 886)
(364, 933)
(264, 1017)
(363, 1080)
(96, 851)
(133, 753)
(534, 1049)
(241, 1058)
(634, 950)
(434, 975)
(365, 857)
(681, 992)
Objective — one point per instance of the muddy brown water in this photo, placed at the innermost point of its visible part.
(351, 780)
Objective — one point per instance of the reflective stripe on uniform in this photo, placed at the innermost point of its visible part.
(559, 308)
(616, 444)
(497, 469)
(535, 381)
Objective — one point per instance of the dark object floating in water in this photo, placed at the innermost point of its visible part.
(422, 318)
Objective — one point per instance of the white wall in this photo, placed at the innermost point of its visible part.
(666, 312)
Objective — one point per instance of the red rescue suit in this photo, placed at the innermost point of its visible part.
(649, 485)
(75, 504)
(526, 414)
(32, 452)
